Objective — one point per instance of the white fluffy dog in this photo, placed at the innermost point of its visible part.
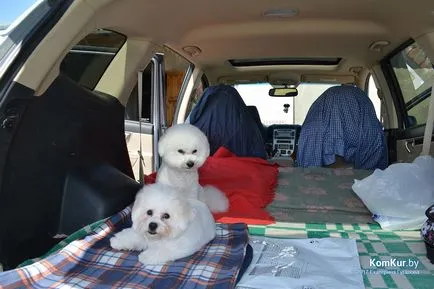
(184, 148)
(166, 226)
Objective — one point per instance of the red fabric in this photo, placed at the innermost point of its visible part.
(249, 183)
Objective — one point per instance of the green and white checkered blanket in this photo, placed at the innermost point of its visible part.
(382, 253)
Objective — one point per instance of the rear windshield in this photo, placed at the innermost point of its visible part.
(272, 110)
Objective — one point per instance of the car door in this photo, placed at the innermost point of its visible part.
(172, 73)
(410, 75)
(139, 125)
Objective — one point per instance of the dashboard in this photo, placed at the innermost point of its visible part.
(282, 140)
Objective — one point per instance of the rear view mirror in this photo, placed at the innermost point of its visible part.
(283, 92)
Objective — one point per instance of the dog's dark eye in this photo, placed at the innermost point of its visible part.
(181, 152)
(165, 216)
(149, 212)
(194, 151)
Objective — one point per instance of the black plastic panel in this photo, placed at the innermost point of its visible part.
(92, 193)
(65, 128)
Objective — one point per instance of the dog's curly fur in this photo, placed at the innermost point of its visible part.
(184, 149)
(166, 226)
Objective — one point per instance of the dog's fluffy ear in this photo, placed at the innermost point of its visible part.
(186, 210)
(136, 205)
(189, 211)
(162, 145)
(193, 213)
(205, 144)
(207, 148)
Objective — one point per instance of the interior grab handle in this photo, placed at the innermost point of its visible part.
(411, 143)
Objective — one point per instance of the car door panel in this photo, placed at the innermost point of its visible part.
(133, 132)
(410, 148)
(410, 75)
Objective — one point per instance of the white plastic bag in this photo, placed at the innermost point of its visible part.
(303, 263)
(399, 195)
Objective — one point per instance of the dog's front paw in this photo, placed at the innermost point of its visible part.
(128, 239)
(116, 243)
(153, 258)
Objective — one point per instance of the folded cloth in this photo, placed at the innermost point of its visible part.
(249, 184)
(90, 262)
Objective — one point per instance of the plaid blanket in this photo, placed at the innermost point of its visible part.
(90, 262)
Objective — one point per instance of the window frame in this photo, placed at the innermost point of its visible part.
(136, 101)
(29, 42)
(188, 74)
(401, 106)
(367, 80)
(205, 83)
(370, 77)
(103, 51)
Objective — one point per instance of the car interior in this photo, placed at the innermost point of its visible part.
(94, 86)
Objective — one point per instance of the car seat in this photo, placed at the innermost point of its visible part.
(342, 122)
(225, 119)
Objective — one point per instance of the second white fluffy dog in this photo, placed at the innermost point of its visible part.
(166, 226)
(184, 149)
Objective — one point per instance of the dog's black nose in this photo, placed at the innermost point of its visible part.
(190, 164)
(153, 226)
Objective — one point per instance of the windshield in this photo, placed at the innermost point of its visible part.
(11, 10)
(17, 20)
(272, 110)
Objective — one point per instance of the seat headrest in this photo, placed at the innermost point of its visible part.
(253, 109)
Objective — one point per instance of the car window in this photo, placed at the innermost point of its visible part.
(196, 95)
(131, 109)
(175, 68)
(272, 109)
(87, 61)
(373, 96)
(414, 73)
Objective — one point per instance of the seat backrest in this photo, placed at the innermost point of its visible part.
(64, 128)
(342, 122)
(224, 118)
(255, 113)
